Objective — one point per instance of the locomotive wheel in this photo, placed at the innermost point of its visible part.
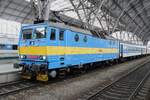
(88, 66)
(62, 73)
(83, 70)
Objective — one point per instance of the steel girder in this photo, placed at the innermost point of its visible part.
(109, 15)
(138, 11)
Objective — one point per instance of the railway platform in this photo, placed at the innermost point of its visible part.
(8, 54)
(7, 72)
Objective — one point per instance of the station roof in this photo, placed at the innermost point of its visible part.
(16, 10)
(123, 15)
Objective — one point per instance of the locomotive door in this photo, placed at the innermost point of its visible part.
(62, 45)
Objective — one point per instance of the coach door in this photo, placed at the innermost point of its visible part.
(62, 45)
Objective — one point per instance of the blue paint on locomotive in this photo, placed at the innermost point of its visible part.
(70, 60)
(78, 59)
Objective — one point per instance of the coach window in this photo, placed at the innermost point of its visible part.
(2, 46)
(61, 35)
(14, 47)
(76, 37)
(53, 34)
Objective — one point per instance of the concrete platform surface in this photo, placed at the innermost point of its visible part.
(8, 53)
(7, 66)
(7, 72)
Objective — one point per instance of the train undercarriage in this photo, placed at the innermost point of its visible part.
(42, 73)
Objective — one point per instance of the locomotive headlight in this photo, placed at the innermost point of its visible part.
(43, 57)
(22, 56)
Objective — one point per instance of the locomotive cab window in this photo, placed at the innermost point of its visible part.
(27, 34)
(40, 32)
(61, 35)
(53, 34)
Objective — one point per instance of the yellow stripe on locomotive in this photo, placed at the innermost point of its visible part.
(60, 50)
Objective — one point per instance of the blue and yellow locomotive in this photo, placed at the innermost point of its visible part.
(49, 49)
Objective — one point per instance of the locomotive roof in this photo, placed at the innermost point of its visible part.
(61, 26)
(64, 26)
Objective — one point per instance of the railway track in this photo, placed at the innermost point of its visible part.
(132, 86)
(13, 87)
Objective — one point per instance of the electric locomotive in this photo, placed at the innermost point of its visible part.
(50, 49)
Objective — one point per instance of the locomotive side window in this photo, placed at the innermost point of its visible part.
(53, 34)
(76, 37)
(85, 39)
(61, 35)
(40, 32)
(27, 34)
